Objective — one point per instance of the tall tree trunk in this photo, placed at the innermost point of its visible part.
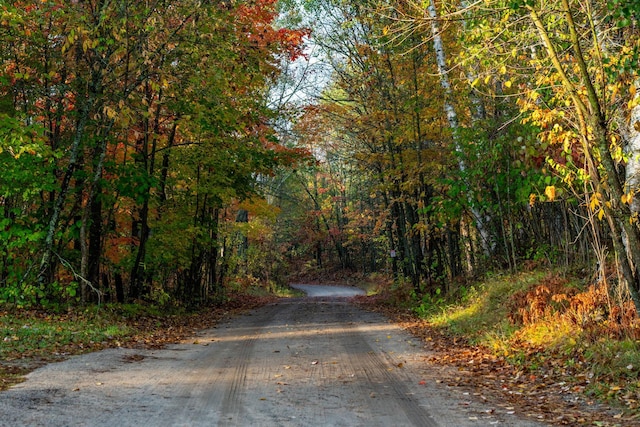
(452, 118)
(91, 245)
(212, 261)
(147, 161)
(632, 169)
(593, 122)
(164, 168)
(45, 274)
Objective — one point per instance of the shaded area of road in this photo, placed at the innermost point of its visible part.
(299, 362)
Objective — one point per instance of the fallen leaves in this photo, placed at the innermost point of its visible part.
(20, 356)
(549, 391)
(130, 358)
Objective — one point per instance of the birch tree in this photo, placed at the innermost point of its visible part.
(481, 220)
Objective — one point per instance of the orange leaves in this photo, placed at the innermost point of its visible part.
(255, 21)
(293, 42)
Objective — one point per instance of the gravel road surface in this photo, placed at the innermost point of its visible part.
(314, 361)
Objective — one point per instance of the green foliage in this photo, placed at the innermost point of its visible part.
(26, 163)
(624, 12)
(429, 303)
(127, 130)
(24, 292)
(518, 4)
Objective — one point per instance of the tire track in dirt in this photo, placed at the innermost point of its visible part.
(377, 392)
(241, 359)
(389, 395)
(299, 362)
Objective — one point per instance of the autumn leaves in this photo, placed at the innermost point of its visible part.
(136, 119)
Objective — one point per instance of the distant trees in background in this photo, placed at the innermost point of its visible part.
(455, 138)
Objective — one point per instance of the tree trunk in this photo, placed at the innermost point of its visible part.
(45, 274)
(147, 161)
(632, 170)
(91, 245)
(609, 186)
(452, 118)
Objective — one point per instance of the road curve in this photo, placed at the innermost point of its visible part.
(316, 291)
(298, 362)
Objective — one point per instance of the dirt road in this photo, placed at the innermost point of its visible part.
(299, 362)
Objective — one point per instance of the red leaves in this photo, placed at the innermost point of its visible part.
(256, 21)
(293, 42)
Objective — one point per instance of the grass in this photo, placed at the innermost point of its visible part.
(542, 319)
(30, 338)
(481, 315)
(484, 315)
(36, 334)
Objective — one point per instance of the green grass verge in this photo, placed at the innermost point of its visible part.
(39, 334)
(480, 313)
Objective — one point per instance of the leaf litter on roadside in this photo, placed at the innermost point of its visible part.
(550, 392)
(42, 337)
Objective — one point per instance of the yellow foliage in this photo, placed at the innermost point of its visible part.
(624, 198)
(260, 207)
(550, 192)
(594, 203)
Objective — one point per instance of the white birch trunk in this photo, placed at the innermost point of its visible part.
(452, 118)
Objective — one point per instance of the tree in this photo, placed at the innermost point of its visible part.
(573, 88)
(142, 106)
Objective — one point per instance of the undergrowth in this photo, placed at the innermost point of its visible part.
(544, 321)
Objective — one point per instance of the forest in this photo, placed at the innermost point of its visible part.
(174, 151)
(473, 164)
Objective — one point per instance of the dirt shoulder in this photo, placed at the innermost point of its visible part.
(34, 338)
